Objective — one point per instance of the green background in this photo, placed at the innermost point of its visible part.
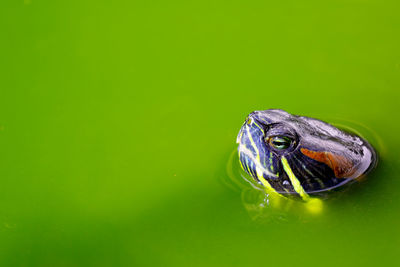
(117, 119)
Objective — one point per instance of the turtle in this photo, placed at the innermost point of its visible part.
(300, 157)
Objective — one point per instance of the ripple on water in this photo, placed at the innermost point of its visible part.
(261, 206)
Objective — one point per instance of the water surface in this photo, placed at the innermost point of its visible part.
(118, 120)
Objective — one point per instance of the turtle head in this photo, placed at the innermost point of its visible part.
(286, 151)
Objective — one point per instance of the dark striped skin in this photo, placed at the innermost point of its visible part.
(311, 173)
(294, 155)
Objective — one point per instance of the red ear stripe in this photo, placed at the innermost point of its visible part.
(341, 166)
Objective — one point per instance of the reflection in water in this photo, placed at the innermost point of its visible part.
(263, 205)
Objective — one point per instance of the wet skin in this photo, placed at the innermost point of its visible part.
(300, 156)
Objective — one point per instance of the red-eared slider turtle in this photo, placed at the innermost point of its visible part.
(298, 156)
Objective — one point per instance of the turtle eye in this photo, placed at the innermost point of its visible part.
(280, 142)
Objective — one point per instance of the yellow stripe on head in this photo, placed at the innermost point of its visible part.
(264, 181)
(253, 144)
(268, 187)
(295, 182)
(259, 127)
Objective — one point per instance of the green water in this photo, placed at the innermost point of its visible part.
(117, 120)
